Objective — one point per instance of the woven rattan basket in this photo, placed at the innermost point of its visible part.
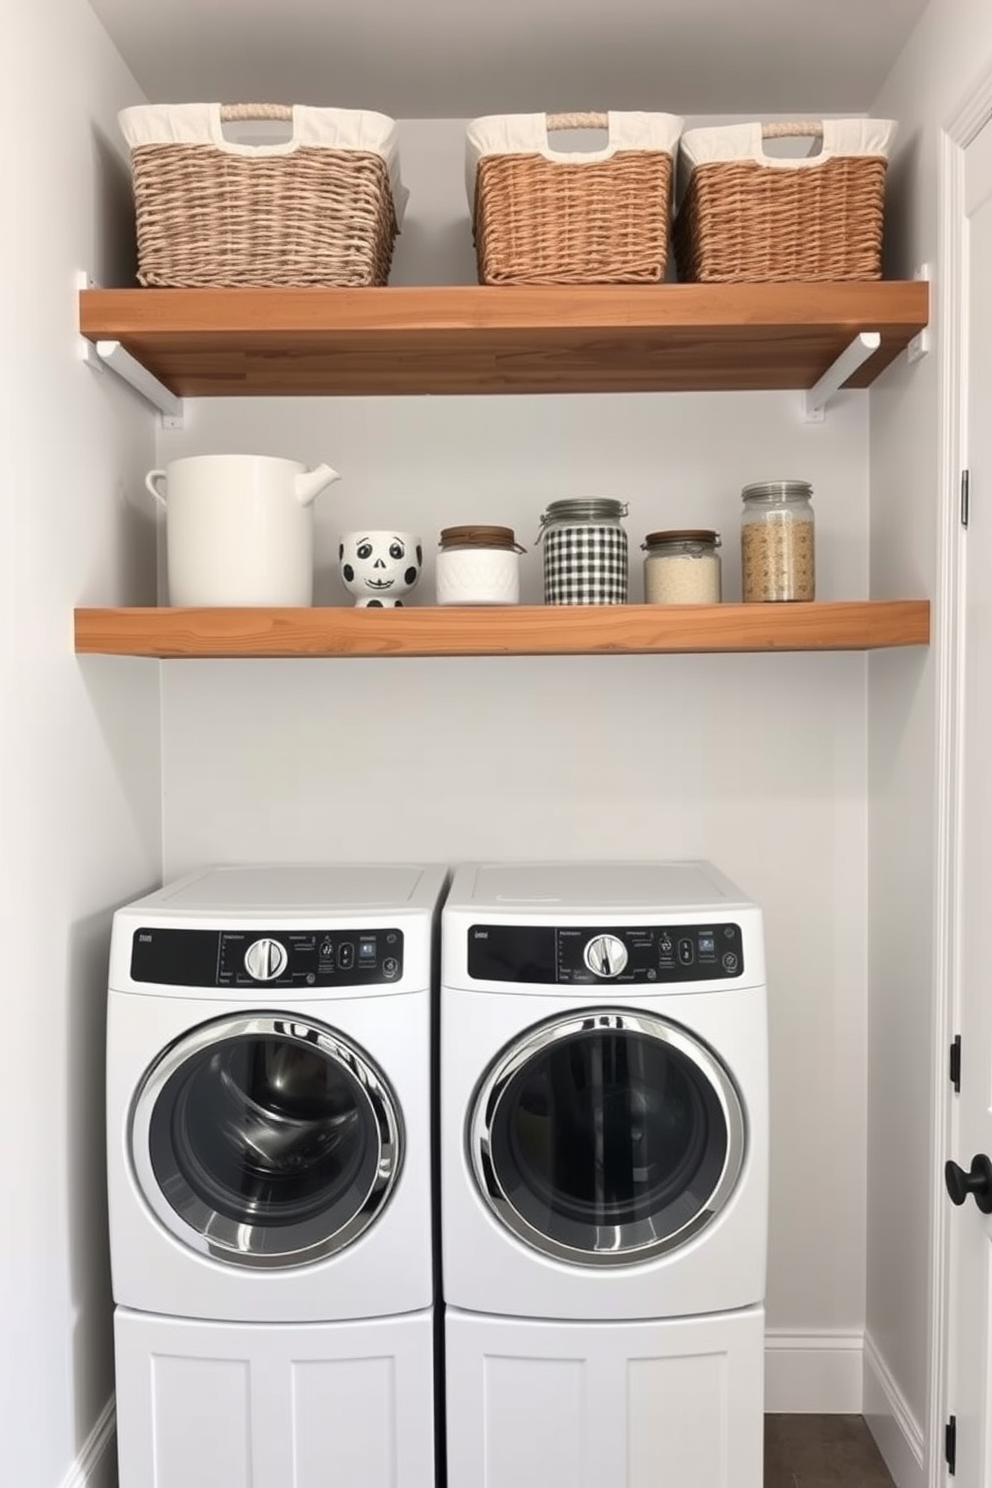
(321, 209)
(753, 218)
(547, 217)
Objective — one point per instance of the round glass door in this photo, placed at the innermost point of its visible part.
(265, 1141)
(607, 1138)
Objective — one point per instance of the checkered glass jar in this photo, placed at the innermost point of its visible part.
(585, 552)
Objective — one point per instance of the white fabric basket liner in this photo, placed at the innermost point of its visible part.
(527, 134)
(841, 138)
(329, 128)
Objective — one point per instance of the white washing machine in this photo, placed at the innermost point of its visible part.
(269, 1123)
(604, 1176)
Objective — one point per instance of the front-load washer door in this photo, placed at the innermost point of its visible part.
(606, 1138)
(265, 1140)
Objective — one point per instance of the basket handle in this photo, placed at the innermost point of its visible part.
(798, 129)
(577, 121)
(225, 113)
(231, 111)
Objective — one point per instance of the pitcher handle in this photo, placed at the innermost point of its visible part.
(151, 482)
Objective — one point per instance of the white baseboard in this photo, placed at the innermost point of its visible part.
(96, 1461)
(813, 1373)
(898, 1435)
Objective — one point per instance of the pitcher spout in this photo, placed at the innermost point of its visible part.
(311, 482)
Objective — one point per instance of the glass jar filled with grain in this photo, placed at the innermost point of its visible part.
(778, 560)
(682, 567)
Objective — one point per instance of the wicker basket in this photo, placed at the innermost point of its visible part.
(559, 217)
(322, 209)
(744, 216)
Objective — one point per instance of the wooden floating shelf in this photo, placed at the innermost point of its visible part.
(511, 339)
(524, 630)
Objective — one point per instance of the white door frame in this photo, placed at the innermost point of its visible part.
(963, 123)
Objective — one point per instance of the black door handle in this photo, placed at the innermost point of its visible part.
(978, 1181)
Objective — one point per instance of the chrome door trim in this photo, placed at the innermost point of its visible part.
(647, 1242)
(225, 1239)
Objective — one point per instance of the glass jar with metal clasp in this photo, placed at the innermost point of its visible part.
(778, 557)
(585, 551)
(682, 567)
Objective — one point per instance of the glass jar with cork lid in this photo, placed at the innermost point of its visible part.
(778, 559)
(682, 567)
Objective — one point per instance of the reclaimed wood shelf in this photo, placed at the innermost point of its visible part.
(509, 339)
(519, 630)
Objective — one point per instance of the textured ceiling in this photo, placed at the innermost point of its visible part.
(442, 59)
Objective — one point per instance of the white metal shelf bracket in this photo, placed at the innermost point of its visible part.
(818, 396)
(100, 354)
(920, 344)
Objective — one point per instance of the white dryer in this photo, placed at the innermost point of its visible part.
(269, 1123)
(604, 1176)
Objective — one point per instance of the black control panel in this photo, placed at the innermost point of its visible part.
(342, 957)
(597, 954)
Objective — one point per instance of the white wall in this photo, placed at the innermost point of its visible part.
(79, 744)
(755, 761)
(910, 509)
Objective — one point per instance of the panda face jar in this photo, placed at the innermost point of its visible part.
(380, 568)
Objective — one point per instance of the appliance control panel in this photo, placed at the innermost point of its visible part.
(597, 954)
(338, 957)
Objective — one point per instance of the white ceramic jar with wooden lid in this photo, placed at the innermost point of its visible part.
(478, 565)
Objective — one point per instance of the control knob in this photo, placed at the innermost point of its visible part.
(265, 959)
(605, 955)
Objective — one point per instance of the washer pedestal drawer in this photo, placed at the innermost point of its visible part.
(675, 1403)
(241, 1405)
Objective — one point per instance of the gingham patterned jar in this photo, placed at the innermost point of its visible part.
(585, 552)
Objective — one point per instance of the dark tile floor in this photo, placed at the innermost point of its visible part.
(822, 1452)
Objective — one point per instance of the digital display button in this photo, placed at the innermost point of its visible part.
(707, 945)
(366, 953)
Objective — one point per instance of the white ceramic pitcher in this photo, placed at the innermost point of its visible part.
(239, 528)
